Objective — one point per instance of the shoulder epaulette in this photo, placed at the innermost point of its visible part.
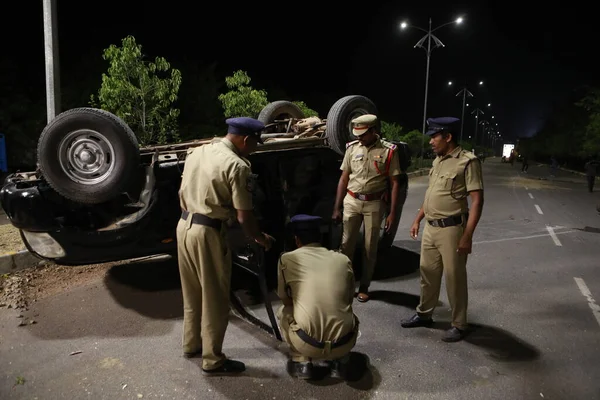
(351, 143)
(389, 145)
(469, 154)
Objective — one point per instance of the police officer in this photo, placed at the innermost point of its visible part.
(316, 286)
(215, 187)
(448, 234)
(370, 172)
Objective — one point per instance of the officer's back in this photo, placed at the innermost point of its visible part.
(321, 283)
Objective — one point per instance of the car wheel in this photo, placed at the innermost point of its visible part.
(339, 120)
(279, 110)
(88, 155)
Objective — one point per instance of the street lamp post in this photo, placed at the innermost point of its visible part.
(465, 93)
(51, 58)
(476, 111)
(429, 36)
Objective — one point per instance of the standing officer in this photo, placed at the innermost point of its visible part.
(448, 235)
(370, 165)
(316, 286)
(215, 187)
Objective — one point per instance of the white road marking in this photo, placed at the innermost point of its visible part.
(587, 294)
(521, 237)
(539, 210)
(530, 195)
(526, 188)
(553, 235)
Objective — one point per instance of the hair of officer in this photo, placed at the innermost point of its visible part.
(447, 133)
(306, 236)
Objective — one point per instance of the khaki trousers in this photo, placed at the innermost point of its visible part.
(205, 271)
(355, 213)
(438, 255)
(300, 351)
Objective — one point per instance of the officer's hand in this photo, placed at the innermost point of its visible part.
(414, 230)
(465, 244)
(389, 222)
(265, 241)
(337, 216)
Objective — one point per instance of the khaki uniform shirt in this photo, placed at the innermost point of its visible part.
(216, 181)
(320, 283)
(367, 166)
(451, 178)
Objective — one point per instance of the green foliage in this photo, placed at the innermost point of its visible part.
(414, 140)
(142, 93)
(242, 100)
(591, 134)
(391, 131)
(308, 112)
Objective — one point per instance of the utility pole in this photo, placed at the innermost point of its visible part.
(52, 60)
(476, 111)
(465, 93)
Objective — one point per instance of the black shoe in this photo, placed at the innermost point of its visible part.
(339, 367)
(453, 335)
(192, 354)
(300, 370)
(229, 367)
(416, 321)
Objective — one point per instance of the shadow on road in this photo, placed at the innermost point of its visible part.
(151, 288)
(399, 261)
(360, 375)
(502, 345)
(396, 298)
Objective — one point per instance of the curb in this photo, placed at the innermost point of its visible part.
(13, 262)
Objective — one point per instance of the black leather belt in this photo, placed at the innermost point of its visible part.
(366, 196)
(321, 345)
(202, 219)
(450, 221)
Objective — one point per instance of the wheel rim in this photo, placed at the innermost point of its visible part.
(86, 156)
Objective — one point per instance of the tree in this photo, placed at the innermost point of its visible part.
(414, 140)
(591, 139)
(308, 112)
(242, 100)
(140, 92)
(391, 131)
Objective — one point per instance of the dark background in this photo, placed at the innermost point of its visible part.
(529, 57)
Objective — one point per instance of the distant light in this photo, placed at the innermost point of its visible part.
(492, 116)
(403, 25)
(489, 104)
(449, 83)
(459, 20)
(467, 104)
(481, 82)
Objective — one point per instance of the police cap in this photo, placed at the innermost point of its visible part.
(361, 124)
(440, 124)
(245, 126)
(304, 222)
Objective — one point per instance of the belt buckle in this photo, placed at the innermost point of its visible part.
(362, 197)
(442, 223)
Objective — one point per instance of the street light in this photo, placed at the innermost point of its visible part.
(437, 43)
(465, 93)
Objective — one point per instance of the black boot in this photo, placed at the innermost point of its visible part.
(416, 321)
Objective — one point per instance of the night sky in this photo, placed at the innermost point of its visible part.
(528, 57)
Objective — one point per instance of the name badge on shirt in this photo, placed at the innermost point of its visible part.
(359, 157)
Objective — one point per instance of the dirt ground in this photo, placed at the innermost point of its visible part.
(20, 289)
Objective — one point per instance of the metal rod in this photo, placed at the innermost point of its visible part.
(52, 60)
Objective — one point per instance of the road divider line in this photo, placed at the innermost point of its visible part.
(521, 237)
(526, 188)
(539, 210)
(588, 295)
(553, 235)
(530, 195)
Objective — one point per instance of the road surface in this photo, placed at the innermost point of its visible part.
(534, 281)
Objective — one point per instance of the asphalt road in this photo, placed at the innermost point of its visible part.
(533, 279)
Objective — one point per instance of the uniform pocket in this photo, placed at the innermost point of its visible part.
(446, 180)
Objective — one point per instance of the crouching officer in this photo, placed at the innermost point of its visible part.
(316, 286)
(370, 171)
(448, 234)
(214, 188)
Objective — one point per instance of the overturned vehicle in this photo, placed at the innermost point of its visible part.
(97, 196)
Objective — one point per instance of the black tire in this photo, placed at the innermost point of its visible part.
(339, 120)
(279, 110)
(108, 146)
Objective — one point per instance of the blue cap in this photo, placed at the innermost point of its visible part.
(306, 222)
(440, 124)
(245, 126)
